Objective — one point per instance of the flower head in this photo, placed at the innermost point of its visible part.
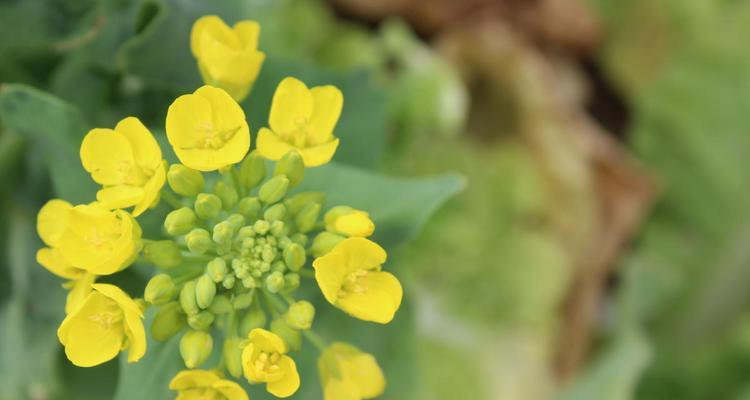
(127, 162)
(346, 373)
(264, 359)
(227, 57)
(207, 129)
(350, 278)
(348, 221)
(104, 323)
(302, 119)
(198, 384)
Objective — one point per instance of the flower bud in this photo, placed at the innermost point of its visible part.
(232, 353)
(198, 241)
(278, 266)
(187, 298)
(249, 207)
(255, 318)
(207, 206)
(228, 282)
(242, 301)
(297, 202)
(300, 239)
(249, 282)
(291, 336)
(325, 242)
(184, 181)
(300, 315)
(274, 189)
(195, 348)
(168, 321)
(275, 213)
(252, 170)
(159, 290)
(277, 228)
(205, 290)
(291, 166)
(347, 221)
(201, 321)
(275, 282)
(162, 253)
(261, 227)
(220, 305)
(227, 194)
(180, 221)
(291, 282)
(217, 269)
(307, 217)
(294, 256)
(236, 221)
(223, 232)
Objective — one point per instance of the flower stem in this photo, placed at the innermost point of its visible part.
(306, 273)
(315, 339)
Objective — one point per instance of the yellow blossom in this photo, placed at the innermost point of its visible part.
(351, 279)
(198, 384)
(104, 323)
(207, 129)
(264, 359)
(347, 373)
(127, 162)
(302, 119)
(227, 57)
(347, 221)
(100, 241)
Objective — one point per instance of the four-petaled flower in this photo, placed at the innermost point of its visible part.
(198, 384)
(349, 373)
(264, 359)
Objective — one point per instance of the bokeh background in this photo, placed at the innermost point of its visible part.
(600, 248)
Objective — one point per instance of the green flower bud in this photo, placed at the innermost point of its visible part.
(232, 353)
(227, 194)
(201, 321)
(236, 221)
(291, 282)
(255, 318)
(159, 290)
(294, 256)
(277, 228)
(180, 221)
(275, 282)
(268, 254)
(274, 189)
(195, 348)
(275, 213)
(242, 301)
(300, 315)
(249, 207)
(297, 202)
(184, 181)
(187, 298)
(249, 282)
(228, 282)
(207, 206)
(246, 232)
(168, 321)
(198, 241)
(292, 337)
(252, 170)
(291, 166)
(162, 253)
(205, 290)
(278, 266)
(325, 242)
(307, 217)
(221, 305)
(300, 239)
(217, 269)
(223, 232)
(261, 227)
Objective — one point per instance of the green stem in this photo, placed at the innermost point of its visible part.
(306, 273)
(315, 339)
(275, 305)
(170, 198)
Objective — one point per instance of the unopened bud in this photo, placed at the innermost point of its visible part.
(274, 189)
(159, 290)
(291, 166)
(252, 170)
(291, 336)
(207, 206)
(300, 239)
(217, 269)
(242, 301)
(162, 253)
(249, 207)
(220, 305)
(325, 242)
(187, 298)
(201, 321)
(275, 213)
(307, 217)
(205, 290)
(261, 227)
(294, 256)
(227, 194)
(198, 241)
(180, 221)
(255, 318)
(347, 221)
(291, 282)
(195, 348)
(184, 181)
(223, 232)
(168, 321)
(228, 282)
(278, 266)
(236, 221)
(233, 356)
(300, 315)
(298, 201)
(274, 282)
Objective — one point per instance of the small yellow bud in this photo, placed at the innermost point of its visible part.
(207, 206)
(249, 207)
(291, 166)
(180, 221)
(205, 290)
(201, 321)
(198, 241)
(195, 348)
(325, 242)
(220, 305)
(168, 321)
(307, 217)
(294, 256)
(291, 282)
(242, 301)
(162, 253)
(300, 315)
(223, 232)
(275, 282)
(227, 194)
(217, 269)
(184, 181)
(233, 356)
(252, 170)
(274, 189)
(159, 290)
(187, 298)
(298, 201)
(275, 213)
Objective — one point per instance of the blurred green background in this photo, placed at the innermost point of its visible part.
(599, 249)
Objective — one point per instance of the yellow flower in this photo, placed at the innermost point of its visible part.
(227, 57)
(350, 278)
(346, 373)
(198, 384)
(207, 129)
(302, 119)
(104, 323)
(347, 221)
(127, 162)
(264, 359)
(100, 241)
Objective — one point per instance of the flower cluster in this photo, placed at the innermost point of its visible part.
(239, 241)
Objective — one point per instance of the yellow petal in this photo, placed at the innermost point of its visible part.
(271, 146)
(319, 155)
(54, 261)
(87, 341)
(228, 117)
(211, 26)
(194, 378)
(152, 189)
(378, 302)
(248, 32)
(134, 330)
(328, 103)
(78, 293)
(289, 383)
(267, 341)
(356, 223)
(230, 390)
(119, 297)
(107, 156)
(363, 370)
(330, 272)
(146, 150)
(52, 221)
(120, 196)
(239, 74)
(291, 107)
(187, 119)
(340, 390)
